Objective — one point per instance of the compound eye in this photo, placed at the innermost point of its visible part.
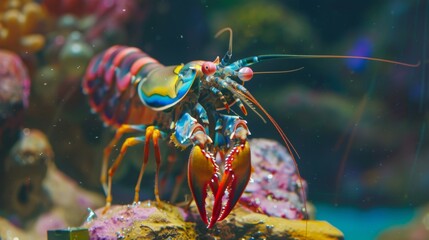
(245, 74)
(208, 68)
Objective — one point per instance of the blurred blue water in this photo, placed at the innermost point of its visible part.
(358, 224)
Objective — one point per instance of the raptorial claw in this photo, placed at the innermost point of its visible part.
(202, 172)
(234, 180)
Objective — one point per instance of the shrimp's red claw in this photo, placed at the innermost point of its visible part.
(202, 172)
(234, 181)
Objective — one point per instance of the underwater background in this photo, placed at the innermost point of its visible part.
(359, 127)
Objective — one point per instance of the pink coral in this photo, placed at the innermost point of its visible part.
(144, 218)
(15, 83)
(275, 187)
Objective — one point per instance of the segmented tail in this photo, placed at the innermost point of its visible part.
(109, 82)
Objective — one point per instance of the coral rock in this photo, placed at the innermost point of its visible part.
(244, 224)
(141, 221)
(35, 194)
(147, 221)
(23, 172)
(276, 188)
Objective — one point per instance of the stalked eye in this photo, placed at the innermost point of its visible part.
(208, 68)
(245, 74)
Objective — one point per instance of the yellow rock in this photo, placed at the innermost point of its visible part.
(147, 220)
(244, 224)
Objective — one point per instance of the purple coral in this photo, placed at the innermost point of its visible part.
(145, 219)
(124, 217)
(275, 187)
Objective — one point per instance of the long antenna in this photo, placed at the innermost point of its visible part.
(261, 58)
(228, 55)
(278, 72)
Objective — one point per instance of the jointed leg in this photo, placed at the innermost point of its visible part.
(154, 134)
(129, 142)
(108, 149)
(149, 132)
(155, 138)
